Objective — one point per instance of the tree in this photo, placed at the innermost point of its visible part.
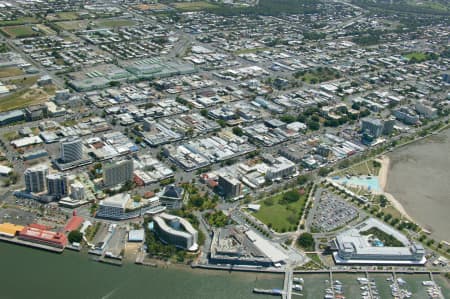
(75, 236)
(222, 123)
(303, 179)
(238, 131)
(291, 196)
(306, 241)
(313, 125)
(287, 118)
(324, 171)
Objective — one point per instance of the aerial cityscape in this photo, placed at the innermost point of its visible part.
(225, 149)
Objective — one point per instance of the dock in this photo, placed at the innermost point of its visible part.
(441, 296)
(31, 244)
(286, 292)
(287, 286)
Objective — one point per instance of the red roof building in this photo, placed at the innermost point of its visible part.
(74, 223)
(39, 226)
(45, 237)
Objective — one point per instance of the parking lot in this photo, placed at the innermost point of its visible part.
(332, 213)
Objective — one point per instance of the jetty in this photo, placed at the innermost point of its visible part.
(17, 241)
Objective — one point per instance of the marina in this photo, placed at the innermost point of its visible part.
(364, 285)
(132, 281)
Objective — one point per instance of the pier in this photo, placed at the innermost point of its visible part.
(31, 244)
(441, 296)
(287, 286)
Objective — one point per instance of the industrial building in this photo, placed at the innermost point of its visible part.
(354, 247)
(176, 231)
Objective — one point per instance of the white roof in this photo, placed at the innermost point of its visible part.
(26, 141)
(118, 201)
(266, 247)
(5, 170)
(136, 235)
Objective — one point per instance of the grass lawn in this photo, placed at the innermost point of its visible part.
(20, 21)
(155, 6)
(281, 217)
(318, 75)
(72, 25)
(417, 55)
(196, 5)
(63, 16)
(10, 136)
(100, 23)
(19, 31)
(10, 72)
(46, 30)
(315, 258)
(308, 77)
(430, 4)
(23, 82)
(364, 168)
(111, 23)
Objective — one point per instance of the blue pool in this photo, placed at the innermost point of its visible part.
(371, 183)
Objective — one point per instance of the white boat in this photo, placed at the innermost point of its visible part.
(297, 287)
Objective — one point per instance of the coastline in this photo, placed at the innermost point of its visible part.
(382, 179)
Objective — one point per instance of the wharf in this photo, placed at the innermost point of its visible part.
(14, 240)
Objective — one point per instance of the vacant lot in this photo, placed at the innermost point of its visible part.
(281, 216)
(28, 95)
(197, 5)
(19, 31)
(10, 72)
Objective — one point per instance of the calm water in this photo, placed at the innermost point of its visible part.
(419, 178)
(30, 273)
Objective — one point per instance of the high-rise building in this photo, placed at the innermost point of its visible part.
(71, 150)
(388, 126)
(77, 191)
(117, 172)
(35, 178)
(373, 127)
(230, 186)
(57, 185)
